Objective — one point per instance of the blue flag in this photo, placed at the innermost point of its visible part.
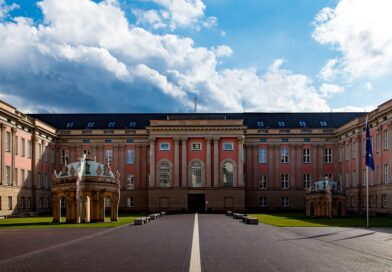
(369, 149)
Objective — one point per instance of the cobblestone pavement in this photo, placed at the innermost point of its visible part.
(225, 245)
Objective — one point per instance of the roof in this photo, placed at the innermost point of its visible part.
(311, 120)
(90, 168)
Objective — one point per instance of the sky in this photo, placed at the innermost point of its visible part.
(68, 56)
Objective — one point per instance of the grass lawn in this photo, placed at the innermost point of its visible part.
(297, 219)
(46, 222)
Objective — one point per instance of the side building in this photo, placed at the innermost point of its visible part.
(198, 162)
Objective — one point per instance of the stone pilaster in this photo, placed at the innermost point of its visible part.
(121, 165)
(2, 150)
(208, 162)
(151, 181)
(255, 178)
(144, 166)
(13, 134)
(216, 161)
(137, 162)
(184, 162)
(240, 180)
(249, 165)
(176, 162)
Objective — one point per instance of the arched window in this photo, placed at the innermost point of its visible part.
(196, 174)
(228, 176)
(164, 174)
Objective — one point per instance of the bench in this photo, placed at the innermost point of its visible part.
(34, 213)
(251, 220)
(238, 215)
(229, 213)
(154, 216)
(163, 213)
(140, 221)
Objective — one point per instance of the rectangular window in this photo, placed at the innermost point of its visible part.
(16, 145)
(130, 156)
(352, 202)
(354, 179)
(306, 155)
(263, 155)
(284, 155)
(108, 155)
(386, 145)
(46, 153)
(384, 201)
(386, 178)
(29, 178)
(306, 180)
(22, 177)
(281, 124)
(130, 182)
(23, 202)
(328, 155)
(228, 146)
(285, 181)
(285, 201)
(263, 182)
(15, 177)
(164, 146)
(29, 203)
(39, 151)
(196, 146)
(263, 201)
(378, 143)
(64, 156)
(130, 202)
(8, 142)
(260, 124)
(10, 203)
(22, 147)
(39, 180)
(354, 150)
(8, 175)
(29, 149)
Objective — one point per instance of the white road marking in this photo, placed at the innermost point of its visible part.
(195, 264)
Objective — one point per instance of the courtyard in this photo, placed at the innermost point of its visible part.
(224, 245)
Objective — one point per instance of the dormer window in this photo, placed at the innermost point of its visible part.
(70, 125)
(260, 124)
(132, 124)
(302, 123)
(111, 124)
(281, 124)
(90, 124)
(323, 123)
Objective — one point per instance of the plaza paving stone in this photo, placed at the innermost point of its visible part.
(225, 245)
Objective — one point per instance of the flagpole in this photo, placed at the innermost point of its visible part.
(367, 197)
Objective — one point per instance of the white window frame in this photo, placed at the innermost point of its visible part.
(263, 155)
(196, 174)
(285, 181)
(384, 201)
(196, 146)
(228, 146)
(228, 177)
(386, 143)
(306, 180)
(306, 155)
(164, 146)
(386, 177)
(130, 156)
(164, 177)
(130, 182)
(130, 202)
(263, 184)
(263, 202)
(284, 155)
(108, 155)
(8, 141)
(64, 156)
(328, 155)
(285, 201)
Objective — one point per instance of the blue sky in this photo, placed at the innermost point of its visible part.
(157, 55)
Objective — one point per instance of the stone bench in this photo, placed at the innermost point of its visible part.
(251, 220)
(238, 215)
(163, 213)
(154, 216)
(140, 221)
(229, 213)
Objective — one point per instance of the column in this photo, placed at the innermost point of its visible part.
(2, 150)
(255, 179)
(137, 162)
(151, 180)
(176, 162)
(208, 162)
(121, 166)
(184, 162)
(293, 164)
(390, 151)
(249, 165)
(216, 161)
(13, 132)
(240, 181)
(144, 166)
(115, 159)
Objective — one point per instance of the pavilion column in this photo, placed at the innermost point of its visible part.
(240, 180)
(184, 162)
(176, 162)
(12, 172)
(151, 181)
(216, 161)
(208, 162)
(2, 150)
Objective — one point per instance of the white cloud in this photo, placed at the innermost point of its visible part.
(330, 89)
(355, 109)
(328, 71)
(360, 30)
(368, 86)
(175, 14)
(87, 57)
(5, 9)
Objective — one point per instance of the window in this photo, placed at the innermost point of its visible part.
(323, 123)
(164, 174)
(39, 180)
(108, 155)
(22, 147)
(196, 146)
(386, 169)
(15, 178)
(10, 203)
(16, 145)
(284, 155)
(281, 124)
(260, 124)
(306, 180)
(90, 124)
(29, 149)
(328, 155)
(8, 175)
(46, 153)
(263, 155)
(41, 203)
(371, 202)
(39, 151)
(354, 179)
(285, 201)
(263, 201)
(29, 178)
(263, 182)
(132, 124)
(228, 146)
(22, 177)
(228, 175)
(111, 124)
(383, 201)
(8, 142)
(196, 174)
(29, 203)
(378, 143)
(302, 123)
(130, 182)
(285, 181)
(130, 203)
(386, 139)
(69, 125)
(306, 155)
(23, 202)
(64, 156)
(352, 202)
(130, 156)
(164, 146)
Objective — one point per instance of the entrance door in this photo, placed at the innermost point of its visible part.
(196, 203)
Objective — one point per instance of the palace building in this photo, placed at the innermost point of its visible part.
(198, 161)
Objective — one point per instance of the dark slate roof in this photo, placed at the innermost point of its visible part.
(270, 120)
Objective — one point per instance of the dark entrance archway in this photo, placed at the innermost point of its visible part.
(196, 203)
